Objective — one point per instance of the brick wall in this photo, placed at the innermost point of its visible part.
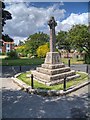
(6, 43)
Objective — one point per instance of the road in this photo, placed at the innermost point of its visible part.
(9, 71)
(19, 104)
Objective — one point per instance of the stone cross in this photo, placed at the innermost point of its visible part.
(52, 24)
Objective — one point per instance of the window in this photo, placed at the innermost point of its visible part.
(8, 45)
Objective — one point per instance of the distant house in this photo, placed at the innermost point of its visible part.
(6, 44)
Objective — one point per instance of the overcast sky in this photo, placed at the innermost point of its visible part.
(31, 17)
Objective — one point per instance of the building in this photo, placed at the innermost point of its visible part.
(6, 45)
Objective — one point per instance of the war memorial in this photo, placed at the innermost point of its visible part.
(53, 71)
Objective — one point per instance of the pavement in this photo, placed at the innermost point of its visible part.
(19, 104)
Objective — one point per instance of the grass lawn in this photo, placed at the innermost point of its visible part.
(73, 61)
(38, 85)
(35, 61)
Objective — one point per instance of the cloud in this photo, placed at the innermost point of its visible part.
(73, 19)
(16, 0)
(17, 39)
(27, 20)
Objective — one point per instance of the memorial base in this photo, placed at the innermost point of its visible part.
(53, 71)
(52, 58)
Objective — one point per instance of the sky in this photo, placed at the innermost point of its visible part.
(31, 17)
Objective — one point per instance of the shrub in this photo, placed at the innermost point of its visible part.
(87, 59)
(12, 55)
(42, 50)
(21, 50)
(3, 53)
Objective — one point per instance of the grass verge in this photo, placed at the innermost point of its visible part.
(73, 61)
(83, 77)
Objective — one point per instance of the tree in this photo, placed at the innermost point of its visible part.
(79, 36)
(63, 41)
(5, 15)
(20, 43)
(7, 38)
(39, 36)
(22, 51)
(36, 40)
(42, 50)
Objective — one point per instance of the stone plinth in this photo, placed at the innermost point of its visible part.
(52, 58)
(51, 74)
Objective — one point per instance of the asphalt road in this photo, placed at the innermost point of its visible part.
(19, 104)
(9, 71)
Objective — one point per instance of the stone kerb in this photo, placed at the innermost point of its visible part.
(42, 92)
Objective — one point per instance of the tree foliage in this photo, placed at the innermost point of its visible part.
(5, 15)
(79, 36)
(39, 36)
(34, 41)
(42, 50)
(62, 41)
(7, 38)
(21, 50)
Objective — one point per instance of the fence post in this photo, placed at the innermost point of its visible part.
(69, 62)
(87, 68)
(64, 85)
(32, 85)
(20, 68)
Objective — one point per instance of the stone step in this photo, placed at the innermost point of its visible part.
(62, 75)
(53, 71)
(52, 77)
(73, 77)
(61, 80)
(53, 66)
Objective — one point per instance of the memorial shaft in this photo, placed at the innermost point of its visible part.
(52, 24)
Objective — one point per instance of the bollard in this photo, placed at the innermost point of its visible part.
(69, 62)
(87, 68)
(32, 85)
(20, 68)
(64, 85)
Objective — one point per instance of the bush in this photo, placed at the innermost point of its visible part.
(21, 50)
(3, 53)
(87, 59)
(12, 55)
(42, 50)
